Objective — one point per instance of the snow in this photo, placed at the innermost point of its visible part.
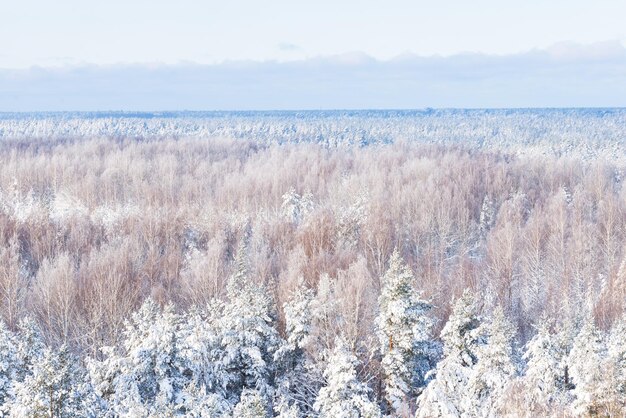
(581, 133)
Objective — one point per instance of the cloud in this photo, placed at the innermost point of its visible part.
(596, 51)
(565, 75)
(288, 47)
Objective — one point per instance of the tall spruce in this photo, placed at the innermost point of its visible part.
(403, 328)
(443, 397)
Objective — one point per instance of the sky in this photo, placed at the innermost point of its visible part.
(204, 54)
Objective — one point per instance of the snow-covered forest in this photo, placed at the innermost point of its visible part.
(419, 267)
(585, 133)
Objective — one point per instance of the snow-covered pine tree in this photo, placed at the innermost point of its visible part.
(403, 328)
(199, 338)
(54, 387)
(344, 396)
(298, 319)
(9, 363)
(198, 402)
(283, 409)
(252, 404)
(615, 386)
(296, 207)
(30, 347)
(295, 385)
(443, 397)
(544, 378)
(495, 369)
(588, 352)
(326, 319)
(248, 335)
(150, 373)
(487, 215)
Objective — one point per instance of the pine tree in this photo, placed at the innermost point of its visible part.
(9, 364)
(615, 387)
(487, 215)
(248, 336)
(199, 339)
(30, 347)
(326, 318)
(296, 207)
(587, 354)
(283, 409)
(403, 331)
(544, 380)
(151, 372)
(197, 402)
(443, 396)
(298, 319)
(55, 387)
(495, 368)
(344, 396)
(295, 385)
(251, 405)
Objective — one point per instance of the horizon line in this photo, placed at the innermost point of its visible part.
(312, 110)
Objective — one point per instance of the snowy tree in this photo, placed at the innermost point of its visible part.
(283, 409)
(295, 385)
(55, 387)
(30, 346)
(248, 336)
(197, 402)
(344, 396)
(9, 363)
(403, 327)
(615, 387)
(251, 405)
(495, 368)
(350, 221)
(200, 346)
(587, 355)
(150, 373)
(327, 321)
(298, 319)
(544, 377)
(296, 207)
(487, 215)
(461, 336)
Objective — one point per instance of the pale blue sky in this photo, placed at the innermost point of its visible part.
(61, 32)
(290, 54)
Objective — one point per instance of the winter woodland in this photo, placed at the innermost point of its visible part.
(217, 275)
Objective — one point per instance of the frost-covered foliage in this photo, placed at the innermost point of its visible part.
(296, 207)
(56, 387)
(185, 364)
(149, 375)
(36, 380)
(544, 376)
(251, 405)
(582, 132)
(585, 364)
(297, 384)
(615, 384)
(404, 328)
(91, 228)
(343, 395)
(248, 334)
(487, 215)
(298, 318)
(9, 362)
(495, 369)
(350, 221)
(445, 394)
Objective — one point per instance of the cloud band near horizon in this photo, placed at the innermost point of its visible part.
(566, 75)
